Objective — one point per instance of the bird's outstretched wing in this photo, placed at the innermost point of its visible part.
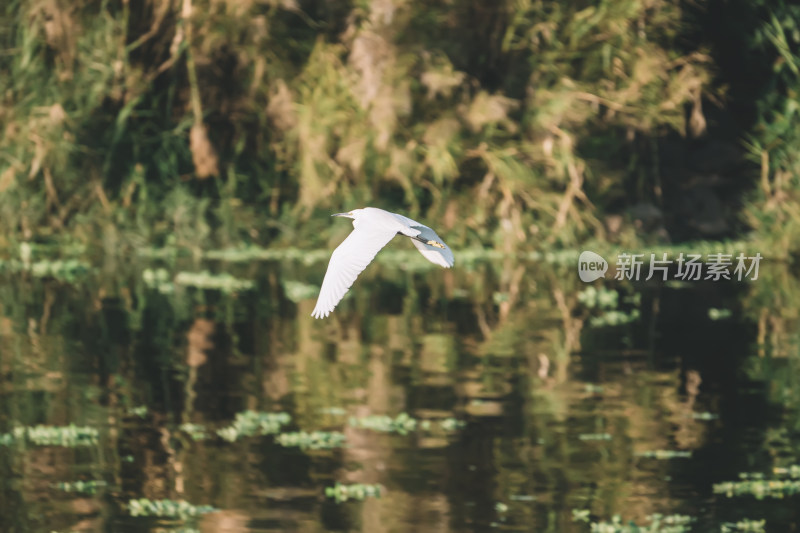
(347, 262)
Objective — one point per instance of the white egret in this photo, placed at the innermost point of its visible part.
(373, 228)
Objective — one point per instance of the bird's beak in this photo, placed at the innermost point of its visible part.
(341, 215)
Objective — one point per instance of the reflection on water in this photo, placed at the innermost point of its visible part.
(484, 397)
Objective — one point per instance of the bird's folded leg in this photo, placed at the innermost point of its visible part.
(435, 244)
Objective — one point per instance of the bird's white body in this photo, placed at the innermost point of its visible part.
(373, 228)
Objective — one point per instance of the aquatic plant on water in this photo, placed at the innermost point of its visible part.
(356, 491)
(180, 509)
(606, 305)
(253, 423)
(747, 525)
(614, 318)
(451, 424)
(598, 298)
(66, 270)
(140, 411)
(83, 487)
(665, 454)
(158, 279)
(70, 436)
(314, 440)
(792, 471)
(658, 523)
(594, 436)
(195, 431)
(704, 416)
(403, 424)
(757, 485)
(719, 314)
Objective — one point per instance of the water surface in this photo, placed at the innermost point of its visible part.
(527, 408)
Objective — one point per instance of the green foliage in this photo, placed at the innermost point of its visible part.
(235, 123)
(774, 209)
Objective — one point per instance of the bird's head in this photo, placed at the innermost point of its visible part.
(350, 214)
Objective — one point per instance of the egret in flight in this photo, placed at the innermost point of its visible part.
(373, 228)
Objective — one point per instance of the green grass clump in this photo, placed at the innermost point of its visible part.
(180, 509)
(252, 423)
(357, 491)
(314, 440)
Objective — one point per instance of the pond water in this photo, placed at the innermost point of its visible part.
(495, 396)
